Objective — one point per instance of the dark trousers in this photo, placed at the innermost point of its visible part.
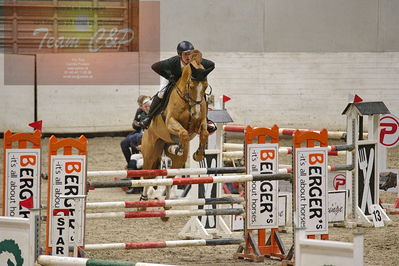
(128, 148)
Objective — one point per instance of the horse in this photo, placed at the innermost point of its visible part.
(184, 117)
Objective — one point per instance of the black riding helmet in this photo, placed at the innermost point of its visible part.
(184, 46)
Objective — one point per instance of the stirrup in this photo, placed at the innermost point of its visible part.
(143, 198)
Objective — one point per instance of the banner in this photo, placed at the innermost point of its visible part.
(311, 189)
(68, 178)
(22, 185)
(262, 196)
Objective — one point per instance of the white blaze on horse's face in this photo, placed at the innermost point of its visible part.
(198, 95)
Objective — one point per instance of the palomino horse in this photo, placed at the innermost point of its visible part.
(185, 116)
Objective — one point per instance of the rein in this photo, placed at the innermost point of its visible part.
(186, 96)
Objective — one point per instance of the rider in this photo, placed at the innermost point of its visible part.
(171, 70)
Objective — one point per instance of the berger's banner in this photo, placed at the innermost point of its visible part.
(22, 181)
(311, 189)
(262, 197)
(68, 178)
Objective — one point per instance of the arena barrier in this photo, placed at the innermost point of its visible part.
(164, 203)
(167, 244)
(47, 260)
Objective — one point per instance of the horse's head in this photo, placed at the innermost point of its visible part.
(193, 83)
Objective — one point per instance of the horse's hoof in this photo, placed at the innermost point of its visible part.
(164, 219)
(142, 197)
(198, 157)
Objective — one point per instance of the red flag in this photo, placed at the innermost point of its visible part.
(28, 203)
(36, 125)
(357, 99)
(226, 98)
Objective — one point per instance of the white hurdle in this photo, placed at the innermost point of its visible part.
(312, 252)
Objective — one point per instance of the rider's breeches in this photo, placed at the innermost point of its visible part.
(162, 88)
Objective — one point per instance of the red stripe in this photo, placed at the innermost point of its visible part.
(64, 211)
(233, 128)
(144, 214)
(143, 245)
(139, 204)
(288, 132)
(333, 153)
(157, 172)
(396, 205)
(193, 180)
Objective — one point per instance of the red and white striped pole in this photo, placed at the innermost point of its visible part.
(164, 203)
(188, 180)
(167, 172)
(163, 213)
(166, 244)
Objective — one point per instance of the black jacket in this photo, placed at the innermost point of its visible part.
(138, 117)
(171, 68)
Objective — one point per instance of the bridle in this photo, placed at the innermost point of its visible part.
(186, 96)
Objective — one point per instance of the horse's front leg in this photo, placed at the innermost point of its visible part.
(175, 128)
(203, 135)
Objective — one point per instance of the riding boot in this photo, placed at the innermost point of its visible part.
(211, 126)
(154, 108)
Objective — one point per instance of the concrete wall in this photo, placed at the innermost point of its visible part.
(281, 25)
(302, 90)
(16, 92)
